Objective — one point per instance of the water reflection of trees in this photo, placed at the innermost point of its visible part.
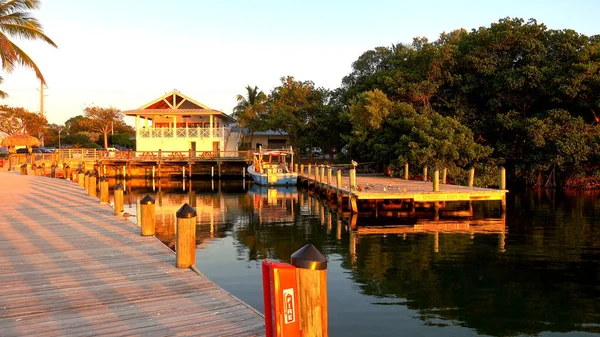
(542, 282)
(547, 280)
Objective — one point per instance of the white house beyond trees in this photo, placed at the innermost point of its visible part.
(175, 122)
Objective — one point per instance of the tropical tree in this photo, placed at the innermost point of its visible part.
(16, 119)
(16, 21)
(102, 119)
(249, 111)
(293, 106)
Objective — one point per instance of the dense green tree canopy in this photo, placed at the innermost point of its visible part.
(292, 107)
(505, 83)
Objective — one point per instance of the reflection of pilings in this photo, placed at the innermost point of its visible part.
(436, 242)
(352, 247)
(159, 192)
(501, 242)
(338, 229)
(328, 222)
(321, 213)
(192, 197)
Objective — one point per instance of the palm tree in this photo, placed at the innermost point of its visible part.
(249, 110)
(16, 21)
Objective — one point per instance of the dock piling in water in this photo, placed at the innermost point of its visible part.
(311, 274)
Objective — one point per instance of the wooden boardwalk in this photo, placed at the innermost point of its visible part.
(69, 267)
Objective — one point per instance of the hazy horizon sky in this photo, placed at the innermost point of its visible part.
(126, 53)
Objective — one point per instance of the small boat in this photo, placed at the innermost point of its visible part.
(273, 168)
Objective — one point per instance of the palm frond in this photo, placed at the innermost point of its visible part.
(26, 61)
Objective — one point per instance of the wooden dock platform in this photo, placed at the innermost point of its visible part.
(384, 188)
(70, 267)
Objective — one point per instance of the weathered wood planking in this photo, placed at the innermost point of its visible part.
(70, 267)
(387, 188)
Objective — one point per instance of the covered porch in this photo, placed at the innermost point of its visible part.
(175, 122)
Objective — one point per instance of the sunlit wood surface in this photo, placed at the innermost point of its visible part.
(70, 267)
(387, 188)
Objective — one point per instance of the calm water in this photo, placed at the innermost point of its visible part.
(533, 272)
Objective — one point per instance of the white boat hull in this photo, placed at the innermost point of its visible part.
(273, 178)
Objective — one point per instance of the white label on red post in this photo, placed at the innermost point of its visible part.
(289, 311)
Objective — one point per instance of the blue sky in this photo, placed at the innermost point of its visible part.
(125, 53)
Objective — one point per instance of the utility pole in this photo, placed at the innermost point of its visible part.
(41, 110)
(41, 98)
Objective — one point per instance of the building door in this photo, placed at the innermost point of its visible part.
(216, 148)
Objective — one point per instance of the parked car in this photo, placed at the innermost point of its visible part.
(315, 151)
(33, 150)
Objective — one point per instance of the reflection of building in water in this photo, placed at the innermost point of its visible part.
(273, 204)
(210, 209)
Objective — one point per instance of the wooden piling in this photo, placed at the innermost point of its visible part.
(352, 202)
(338, 184)
(67, 174)
(444, 174)
(471, 176)
(86, 181)
(311, 275)
(118, 199)
(405, 171)
(147, 216)
(186, 236)
(436, 180)
(329, 179)
(502, 186)
(425, 173)
(103, 190)
(53, 171)
(81, 178)
(92, 191)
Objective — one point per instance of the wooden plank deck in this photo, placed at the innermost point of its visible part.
(387, 188)
(69, 267)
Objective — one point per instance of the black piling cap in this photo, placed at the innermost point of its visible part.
(147, 200)
(308, 257)
(67, 166)
(118, 187)
(103, 179)
(87, 173)
(185, 212)
(79, 171)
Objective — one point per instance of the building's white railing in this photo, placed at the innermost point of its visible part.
(183, 133)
